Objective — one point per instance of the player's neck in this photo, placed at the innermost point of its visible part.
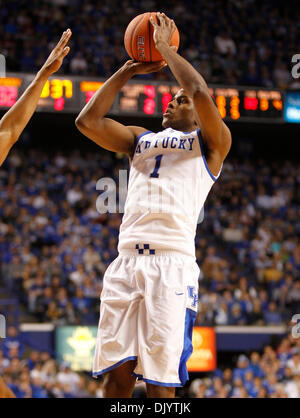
(184, 128)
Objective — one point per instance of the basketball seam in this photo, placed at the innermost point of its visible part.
(133, 34)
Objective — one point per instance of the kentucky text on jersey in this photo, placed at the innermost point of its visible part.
(168, 184)
(166, 142)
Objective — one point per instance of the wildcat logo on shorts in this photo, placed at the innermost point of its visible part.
(193, 295)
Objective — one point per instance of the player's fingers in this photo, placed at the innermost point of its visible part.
(161, 19)
(158, 66)
(152, 21)
(161, 63)
(166, 19)
(162, 66)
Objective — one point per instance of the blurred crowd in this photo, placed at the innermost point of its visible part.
(274, 373)
(55, 246)
(34, 374)
(248, 246)
(228, 42)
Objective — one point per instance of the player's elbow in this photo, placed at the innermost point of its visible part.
(80, 122)
(200, 92)
(9, 133)
(83, 124)
(9, 138)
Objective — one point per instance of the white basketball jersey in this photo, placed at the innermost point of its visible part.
(168, 184)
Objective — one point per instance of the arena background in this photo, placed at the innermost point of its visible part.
(248, 245)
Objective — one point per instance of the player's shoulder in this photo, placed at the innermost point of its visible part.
(137, 130)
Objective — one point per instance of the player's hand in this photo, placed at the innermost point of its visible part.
(163, 30)
(57, 55)
(137, 67)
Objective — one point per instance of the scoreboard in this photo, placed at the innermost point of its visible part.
(144, 98)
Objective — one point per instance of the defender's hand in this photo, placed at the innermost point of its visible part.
(137, 67)
(163, 30)
(57, 55)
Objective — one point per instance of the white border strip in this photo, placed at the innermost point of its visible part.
(251, 329)
(37, 327)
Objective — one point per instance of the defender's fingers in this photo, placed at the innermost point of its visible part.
(65, 52)
(64, 38)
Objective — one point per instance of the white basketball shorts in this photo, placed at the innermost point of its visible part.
(147, 312)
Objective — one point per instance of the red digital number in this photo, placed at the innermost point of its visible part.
(89, 95)
(166, 98)
(250, 103)
(149, 103)
(59, 104)
(8, 95)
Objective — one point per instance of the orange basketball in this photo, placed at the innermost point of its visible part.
(138, 39)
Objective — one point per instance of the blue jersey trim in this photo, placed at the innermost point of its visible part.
(108, 369)
(190, 317)
(155, 382)
(144, 133)
(140, 136)
(204, 159)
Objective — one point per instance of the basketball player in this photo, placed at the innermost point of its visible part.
(17, 117)
(149, 299)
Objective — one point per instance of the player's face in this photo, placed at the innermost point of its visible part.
(180, 113)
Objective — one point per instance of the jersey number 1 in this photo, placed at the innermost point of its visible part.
(157, 165)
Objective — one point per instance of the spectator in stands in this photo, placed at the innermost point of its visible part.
(294, 364)
(272, 316)
(53, 313)
(78, 64)
(13, 341)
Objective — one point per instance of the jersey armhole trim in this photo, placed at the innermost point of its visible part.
(214, 178)
(139, 137)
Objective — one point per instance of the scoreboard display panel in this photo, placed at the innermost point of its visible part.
(140, 98)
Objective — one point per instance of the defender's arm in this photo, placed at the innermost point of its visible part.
(17, 117)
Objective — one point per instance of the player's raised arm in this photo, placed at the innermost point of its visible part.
(106, 132)
(17, 117)
(214, 131)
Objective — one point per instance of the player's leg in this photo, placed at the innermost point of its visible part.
(116, 344)
(119, 382)
(5, 392)
(154, 391)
